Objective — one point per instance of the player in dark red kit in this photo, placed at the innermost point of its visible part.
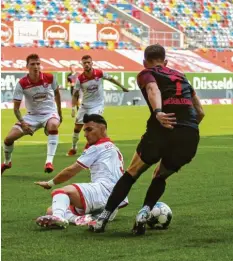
(171, 137)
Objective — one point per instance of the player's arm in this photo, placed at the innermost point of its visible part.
(65, 175)
(68, 82)
(118, 84)
(25, 126)
(198, 107)
(17, 112)
(154, 96)
(83, 162)
(58, 102)
(109, 78)
(17, 98)
(75, 98)
(55, 88)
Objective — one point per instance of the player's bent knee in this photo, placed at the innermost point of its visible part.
(58, 191)
(166, 170)
(9, 141)
(78, 128)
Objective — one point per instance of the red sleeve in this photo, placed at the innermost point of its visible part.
(144, 78)
(99, 73)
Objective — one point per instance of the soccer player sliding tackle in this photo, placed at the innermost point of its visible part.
(171, 137)
(105, 162)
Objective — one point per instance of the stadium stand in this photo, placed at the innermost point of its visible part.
(205, 23)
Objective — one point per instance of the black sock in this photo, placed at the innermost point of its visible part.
(154, 192)
(120, 191)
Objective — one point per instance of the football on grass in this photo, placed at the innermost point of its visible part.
(160, 216)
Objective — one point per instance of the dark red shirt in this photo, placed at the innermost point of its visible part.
(176, 93)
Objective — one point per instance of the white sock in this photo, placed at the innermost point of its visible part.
(75, 140)
(60, 205)
(70, 216)
(8, 151)
(51, 147)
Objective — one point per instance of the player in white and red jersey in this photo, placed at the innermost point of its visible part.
(43, 104)
(90, 84)
(105, 162)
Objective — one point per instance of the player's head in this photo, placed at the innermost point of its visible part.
(87, 63)
(154, 55)
(95, 128)
(33, 63)
(73, 68)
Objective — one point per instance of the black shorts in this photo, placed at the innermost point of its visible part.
(174, 148)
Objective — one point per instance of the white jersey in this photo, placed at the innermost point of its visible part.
(39, 97)
(92, 88)
(105, 162)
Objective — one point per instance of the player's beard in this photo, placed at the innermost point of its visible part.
(88, 70)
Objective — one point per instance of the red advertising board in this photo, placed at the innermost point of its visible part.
(108, 32)
(7, 32)
(53, 31)
(57, 59)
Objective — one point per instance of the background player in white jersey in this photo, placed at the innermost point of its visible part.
(90, 83)
(105, 162)
(41, 94)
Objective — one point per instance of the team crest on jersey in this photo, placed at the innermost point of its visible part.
(46, 85)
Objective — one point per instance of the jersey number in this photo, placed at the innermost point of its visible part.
(178, 88)
(177, 80)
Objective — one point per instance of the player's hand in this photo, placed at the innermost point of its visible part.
(26, 128)
(43, 184)
(124, 89)
(167, 120)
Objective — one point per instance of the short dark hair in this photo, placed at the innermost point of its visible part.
(95, 118)
(154, 52)
(85, 57)
(32, 56)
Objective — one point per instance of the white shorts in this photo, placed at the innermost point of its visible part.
(96, 110)
(37, 121)
(94, 197)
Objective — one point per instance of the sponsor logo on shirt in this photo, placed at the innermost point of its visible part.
(39, 97)
(92, 88)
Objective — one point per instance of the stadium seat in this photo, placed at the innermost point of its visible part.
(201, 17)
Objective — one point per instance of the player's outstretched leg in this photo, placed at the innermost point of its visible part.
(60, 205)
(154, 192)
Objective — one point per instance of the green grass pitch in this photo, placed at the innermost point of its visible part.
(200, 196)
